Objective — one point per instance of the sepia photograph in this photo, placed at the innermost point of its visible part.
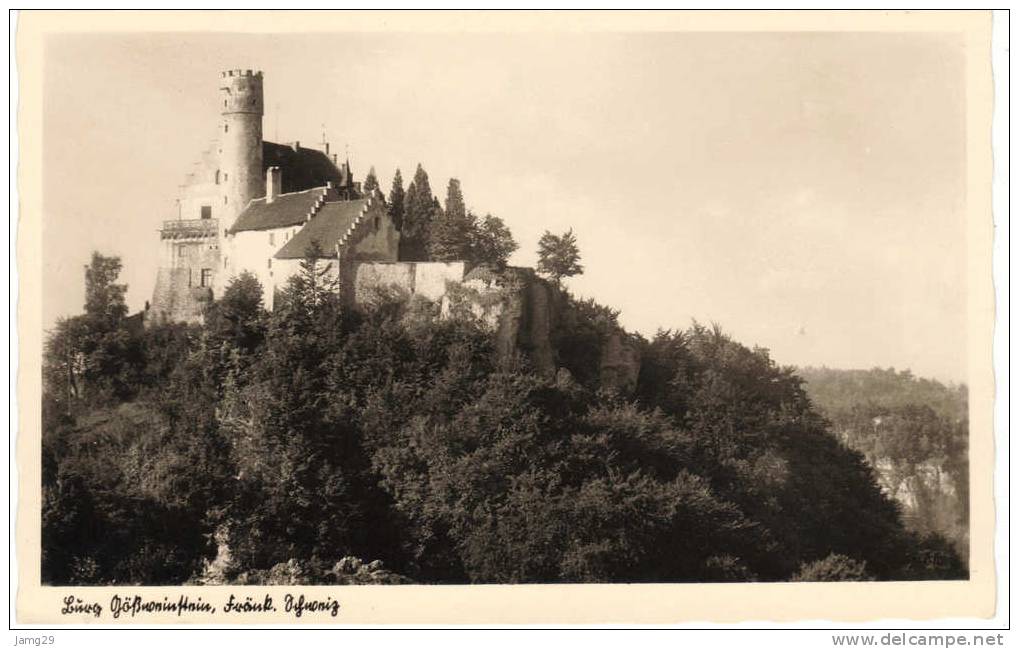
(349, 307)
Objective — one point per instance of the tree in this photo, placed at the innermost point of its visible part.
(455, 207)
(558, 256)
(457, 234)
(315, 285)
(396, 198)
(371, 182)
(93, 350)
(451, 236)
(238, 315)
(419, 211)
(63, 363)
(467, 238)
(494, 242)
(105, 355)
(104, 298)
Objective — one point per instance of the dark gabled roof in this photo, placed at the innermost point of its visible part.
(301, 168)
(327, 227)
(285, 210)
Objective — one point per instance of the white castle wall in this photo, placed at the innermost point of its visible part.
(427, 279)
(253, 251)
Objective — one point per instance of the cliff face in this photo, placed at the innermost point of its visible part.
(528, 315)
(932, 492)
(620, 363)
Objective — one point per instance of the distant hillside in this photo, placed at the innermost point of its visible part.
(913, 431)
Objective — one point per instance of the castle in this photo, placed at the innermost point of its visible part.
(249, 205)
(255, 206)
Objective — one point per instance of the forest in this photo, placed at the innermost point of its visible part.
(321, 444)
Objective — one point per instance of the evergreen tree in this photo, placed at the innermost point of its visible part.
(315, 285)
(451, 237)
(371, 182)
(396, 200)
(419, 210)
(558, 256)
(451, 232)
(455, 207)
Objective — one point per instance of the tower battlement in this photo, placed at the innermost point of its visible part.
(242, 73)
(241, 92)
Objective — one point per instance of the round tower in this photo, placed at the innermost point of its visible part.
(241, 138)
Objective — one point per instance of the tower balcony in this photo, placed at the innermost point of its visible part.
(189, 229)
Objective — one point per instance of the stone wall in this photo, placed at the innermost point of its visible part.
(202, 188)
(431, 277)
(175, 299)
(427, 279)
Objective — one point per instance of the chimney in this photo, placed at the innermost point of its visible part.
(273, 183)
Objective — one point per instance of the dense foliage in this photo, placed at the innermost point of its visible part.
(313, 433)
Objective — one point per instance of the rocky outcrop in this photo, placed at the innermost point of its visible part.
(931, 492)
(516, 304)
(913, 432)
(620, 363)
(928, 494)
(524, 312)
(347, 571)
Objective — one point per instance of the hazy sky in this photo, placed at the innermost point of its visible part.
(805, 191)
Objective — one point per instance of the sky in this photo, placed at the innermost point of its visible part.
(806, 191)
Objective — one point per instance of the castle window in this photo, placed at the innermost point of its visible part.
(378, 223)
(225, 259)
(206, 211)
(217, 176)
(206, 277)
(226, 128)
(272, 238)
(269, 264)
(182, 251)
(224, 200)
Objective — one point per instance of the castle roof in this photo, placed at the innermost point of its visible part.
(301, 168)
(285, 210)
(328, 226)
